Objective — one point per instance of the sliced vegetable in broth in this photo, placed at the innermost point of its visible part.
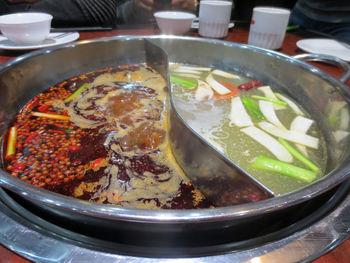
(101, 137)
(264, 132)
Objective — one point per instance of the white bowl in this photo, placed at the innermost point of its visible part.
(174, 22)
(26, 28)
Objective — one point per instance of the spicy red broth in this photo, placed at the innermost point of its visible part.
(101, 136)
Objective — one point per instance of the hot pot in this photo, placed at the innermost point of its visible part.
(22, 78)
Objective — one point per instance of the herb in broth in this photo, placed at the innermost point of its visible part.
(263, 131)
(101, 137)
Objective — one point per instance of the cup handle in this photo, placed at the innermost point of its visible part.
(330, 60)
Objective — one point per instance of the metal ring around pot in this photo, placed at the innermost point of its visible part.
(330, 60)
(181, 46)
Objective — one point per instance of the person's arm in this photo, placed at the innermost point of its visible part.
(68, 13)
(99, 12)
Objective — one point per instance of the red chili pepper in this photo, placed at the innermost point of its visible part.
(225, 96)
(57, 131)
(43, 108)
(24, 133)
(19, 167)
(230, 86)
(255, 83)
(97, 162)
(249, 85)
(10, 157)
(34, 102)
(31, 137)
(22, 129)
(74, 148)
(234, 92)
(19, 146)
(26, 128)
(76, 162)
(244, 87)
(56, 143)
(61, 154)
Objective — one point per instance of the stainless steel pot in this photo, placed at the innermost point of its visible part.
(316, 91)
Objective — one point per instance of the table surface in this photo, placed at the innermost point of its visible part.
(237, 34)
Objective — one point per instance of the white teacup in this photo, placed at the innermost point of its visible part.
(26, 28)
(268, 27)
(174, 22)
(214, 18)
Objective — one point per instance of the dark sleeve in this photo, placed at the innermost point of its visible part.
(99, 12)
(7, 8)
(79, 12)
(328, 11)
(4, 8)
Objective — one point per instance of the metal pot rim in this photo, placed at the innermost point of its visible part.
(176, 216)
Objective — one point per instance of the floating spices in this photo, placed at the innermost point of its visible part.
(102, 137)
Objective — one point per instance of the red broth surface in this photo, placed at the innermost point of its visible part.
(102, 137)
(106, 144)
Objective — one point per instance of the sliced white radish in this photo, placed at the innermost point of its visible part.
(203, 91)
(269, 94)
(182, 67)
(221, 89)
(269, 143)
(187, 75)
(239, 115)
(224, 74)
(289, 135)
(301, 124)
(188, 71)
(266, 107)
(290, 103)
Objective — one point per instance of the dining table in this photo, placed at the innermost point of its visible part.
(238, 34)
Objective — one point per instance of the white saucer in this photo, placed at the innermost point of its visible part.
(53, 39)
(195, 24)
(325, 46)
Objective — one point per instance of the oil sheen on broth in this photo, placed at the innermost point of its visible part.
(101, 137)
(210, 117)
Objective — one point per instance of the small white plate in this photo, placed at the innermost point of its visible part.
(195, 24)
(325, 46)
(53, 39)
